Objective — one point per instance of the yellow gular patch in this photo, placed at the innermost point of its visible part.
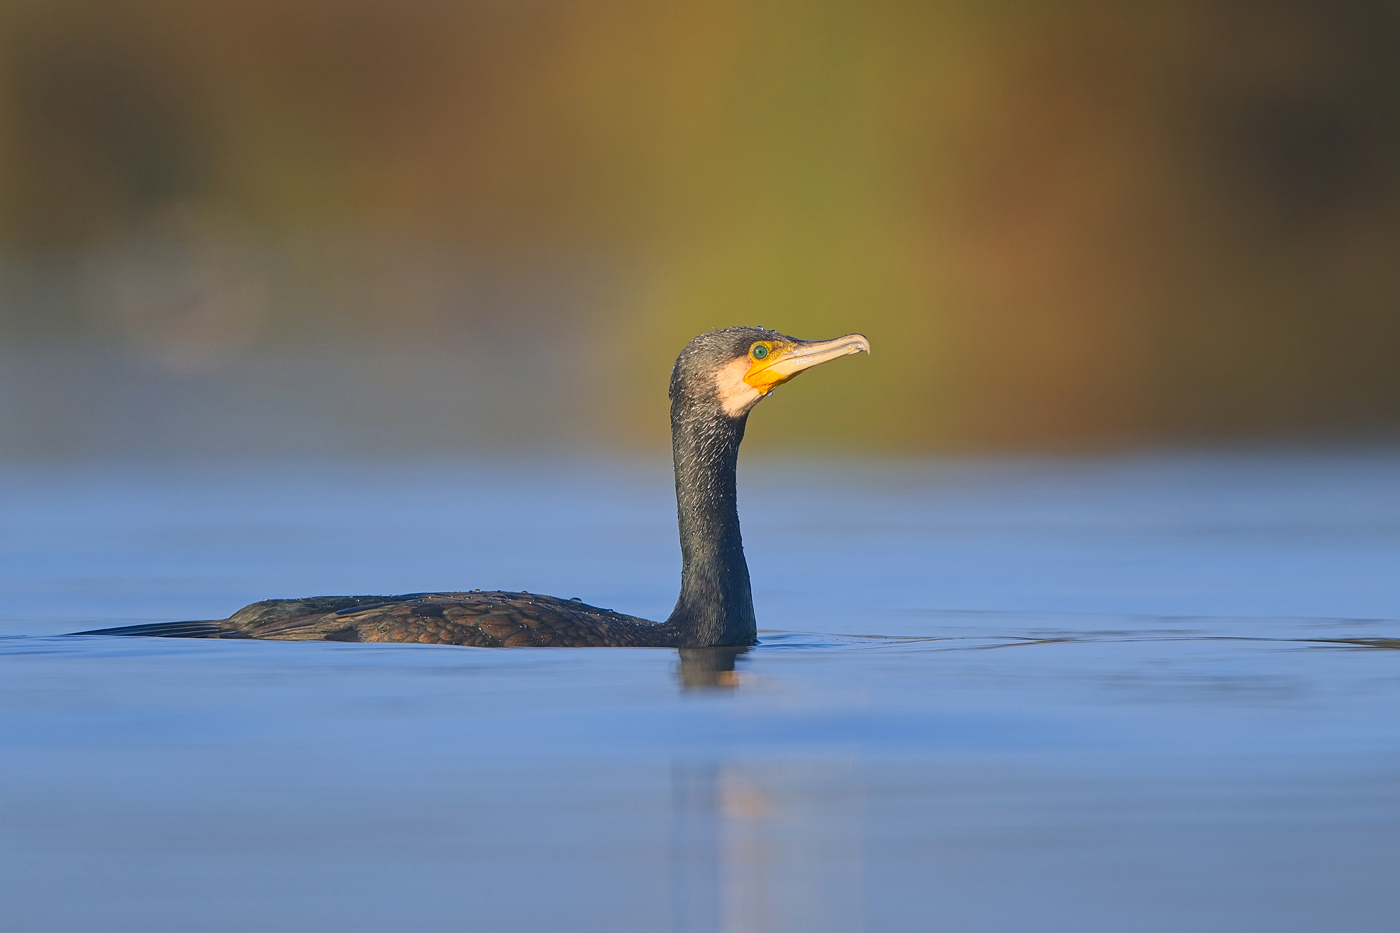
(735, 395)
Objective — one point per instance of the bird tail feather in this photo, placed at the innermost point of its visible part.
(205, 629)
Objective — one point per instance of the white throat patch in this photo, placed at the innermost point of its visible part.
(735, 395)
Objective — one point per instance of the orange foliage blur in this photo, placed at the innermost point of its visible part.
(1060, 224)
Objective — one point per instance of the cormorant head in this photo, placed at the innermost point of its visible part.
(734, 367)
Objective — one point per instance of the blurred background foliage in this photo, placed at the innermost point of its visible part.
(311, 225)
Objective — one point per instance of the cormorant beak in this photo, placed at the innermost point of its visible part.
(787, 360)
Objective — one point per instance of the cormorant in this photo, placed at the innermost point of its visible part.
(717, 380)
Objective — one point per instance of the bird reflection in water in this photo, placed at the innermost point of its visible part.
(761, 846)
(706, 856)
(765, 846)
(702, 668)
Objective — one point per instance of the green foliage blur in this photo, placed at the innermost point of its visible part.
(1061, 224)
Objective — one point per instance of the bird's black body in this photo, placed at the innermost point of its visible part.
(482, 619)
(717, 379)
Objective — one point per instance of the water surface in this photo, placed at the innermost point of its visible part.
(1151, 693)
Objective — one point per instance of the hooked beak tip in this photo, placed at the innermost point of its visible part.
(855, 343)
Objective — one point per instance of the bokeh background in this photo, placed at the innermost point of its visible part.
(365, 227)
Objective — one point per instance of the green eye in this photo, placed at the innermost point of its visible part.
(759, 351)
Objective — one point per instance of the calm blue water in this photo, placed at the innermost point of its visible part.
(1100, 695)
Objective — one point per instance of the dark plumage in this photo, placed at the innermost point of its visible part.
(717, 380)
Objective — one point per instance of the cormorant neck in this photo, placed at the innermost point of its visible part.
(715, 606)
